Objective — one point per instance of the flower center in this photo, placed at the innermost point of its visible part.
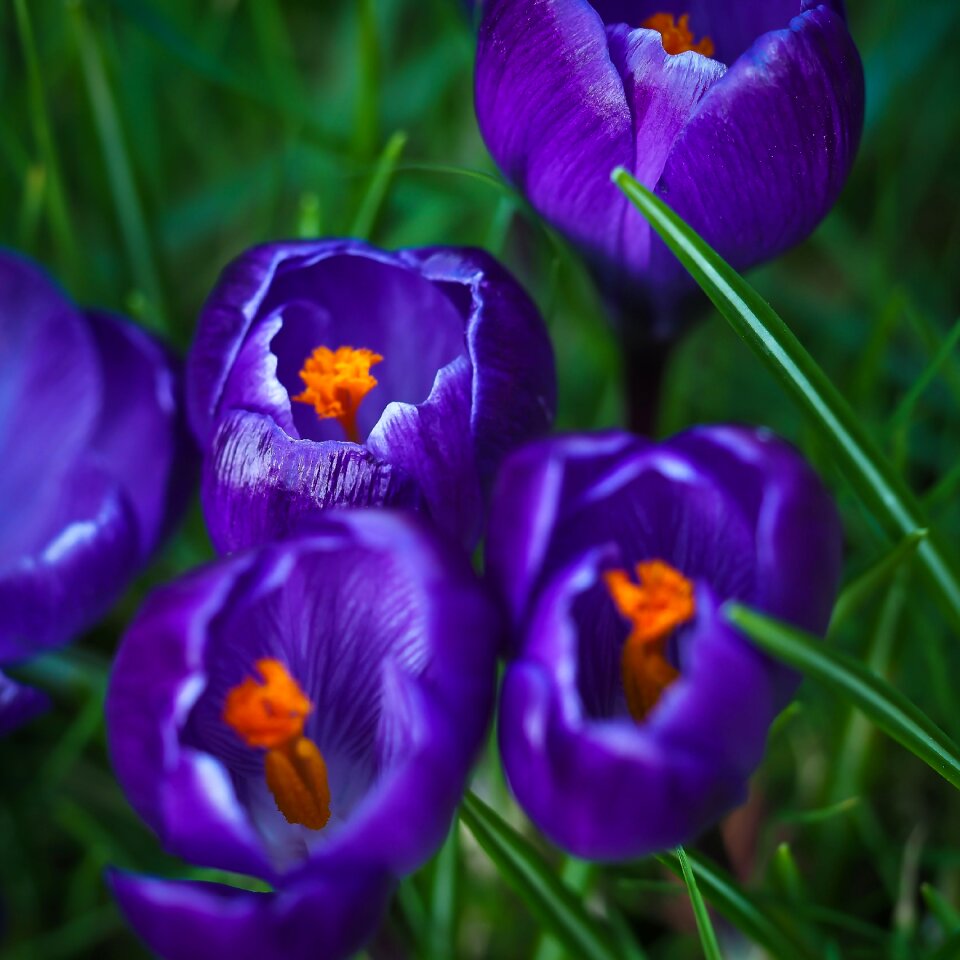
(336, 381)
(676, 33)
(269, 712)
(656, 604)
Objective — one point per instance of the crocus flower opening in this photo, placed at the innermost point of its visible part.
(305, 713)
(632, 714)
(336, 382)
(97, 463)
(744, 117)
(269, 712)
(660, 601)
(330, 373)
(676, 34)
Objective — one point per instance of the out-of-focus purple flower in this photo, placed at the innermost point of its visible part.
(95, 460)
(18, 704)
(632, 713)
(375, 647)
(331, 373)
(750, 144)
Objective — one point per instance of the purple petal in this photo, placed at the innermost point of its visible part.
(798, 532)
(19, 704)
(140, 436)
(514, 391)
(553, 112)
(421, 441)
(260, 484)
(49, 398)
(662, 91)
(158, 674)
(331, 916)
(753, 188)
(84, 550)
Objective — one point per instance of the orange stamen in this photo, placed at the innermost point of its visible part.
(336, 382)
(270, 713)
(659, 602)
(677, 36)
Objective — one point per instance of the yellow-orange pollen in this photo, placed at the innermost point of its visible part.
(335, 383)
(659, 601)
(676, 33)
(269, 712)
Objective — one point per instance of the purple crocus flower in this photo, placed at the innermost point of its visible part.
(632, 713)
(95, 460)
(745, 117)
(331, 373)
(305, 713)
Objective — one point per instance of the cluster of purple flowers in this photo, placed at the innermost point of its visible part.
(306, 710)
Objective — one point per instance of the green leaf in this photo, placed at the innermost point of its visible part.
(133, 222)
(578, 876)
(708, 937)
(872, 477)
(889, 709)
(903, 413)
(537, 883)
(722, 891)
(378, 186)
(855, 594)
(442, 935)
(948, 916)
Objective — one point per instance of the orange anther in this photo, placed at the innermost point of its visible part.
(656, 604)
(336, 381)
(676, 33)
(270, 713)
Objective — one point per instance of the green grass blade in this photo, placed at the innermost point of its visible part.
(444, 898)
(902, 414)
(944, 490)
(788, 874)
(870, 581)
(133, 223)
(373, 199)
(537, 883)
(578, 876)
(882, 703)
(46, 145)
(738, 907)
(708, 937)
(872, 477)
(948, 916)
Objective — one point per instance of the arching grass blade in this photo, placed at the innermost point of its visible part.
(870, 474)
(882, 703)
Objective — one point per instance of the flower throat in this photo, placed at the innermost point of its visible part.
(677, 35)
(335, 383)
(269, 713)
(656, 604)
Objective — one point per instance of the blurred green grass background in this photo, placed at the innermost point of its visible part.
(144, 143)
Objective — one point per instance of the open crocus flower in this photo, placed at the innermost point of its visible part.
(306, 713)
(744, 117)
(330, 373)
(632, 713)
(94, 460)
